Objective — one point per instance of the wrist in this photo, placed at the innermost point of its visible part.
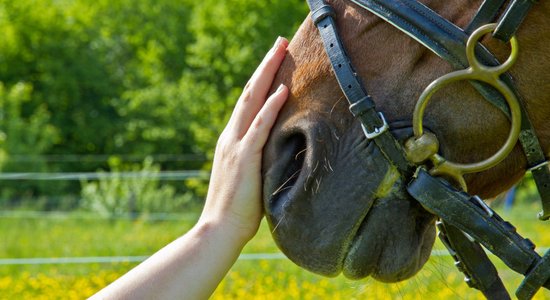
(222, 231)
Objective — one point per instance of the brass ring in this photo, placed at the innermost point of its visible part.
(478, 66)
(480, 72)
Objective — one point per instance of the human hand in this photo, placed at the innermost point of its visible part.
(234, 194)
(195, 263)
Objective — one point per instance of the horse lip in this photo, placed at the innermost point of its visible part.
(367, 252)
(356, 233)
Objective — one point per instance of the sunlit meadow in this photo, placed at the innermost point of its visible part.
(82, 236)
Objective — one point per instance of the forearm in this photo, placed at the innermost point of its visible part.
(190, 267)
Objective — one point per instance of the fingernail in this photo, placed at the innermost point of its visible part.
(277, 43)
(280, 88)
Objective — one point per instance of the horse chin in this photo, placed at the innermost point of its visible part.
(390, 243)
(393, 242)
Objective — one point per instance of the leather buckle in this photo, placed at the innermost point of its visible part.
(377, 130)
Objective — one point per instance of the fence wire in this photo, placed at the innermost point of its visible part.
(67, 176)
(132, 259)
(138, 259)
(78, 158)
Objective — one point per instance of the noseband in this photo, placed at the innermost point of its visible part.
(467, 223)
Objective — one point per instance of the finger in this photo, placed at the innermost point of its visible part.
(257, 134)
(262, 79)
(256, 90)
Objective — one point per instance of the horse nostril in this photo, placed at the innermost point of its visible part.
(292, 154)
(298, 141)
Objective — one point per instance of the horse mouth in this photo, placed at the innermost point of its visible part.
(323, 203)
(351, 259)
(293, 184)
(393, 241)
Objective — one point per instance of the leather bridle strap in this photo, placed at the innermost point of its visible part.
(448, 41)
(471, 259)
(538, 165)
(439, 35)
(508, 23)
(470, 214)
(487, 13)
(512, 18)
(362, 106)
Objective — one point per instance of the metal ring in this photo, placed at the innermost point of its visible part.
(480, 72)
(480, 67)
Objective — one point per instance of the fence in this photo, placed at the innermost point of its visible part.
(62, 176)
(79, 176)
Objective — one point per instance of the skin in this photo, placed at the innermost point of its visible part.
(333, 202)
(192, 266)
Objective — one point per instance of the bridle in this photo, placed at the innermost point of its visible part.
(466, 222)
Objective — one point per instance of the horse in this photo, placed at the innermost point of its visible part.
(333, 201)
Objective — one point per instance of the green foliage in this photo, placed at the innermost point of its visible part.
(116, 196)
(527, 190)
(230, 42)
(28, 135)
(53, 50)
(135, 77)
(31, 135)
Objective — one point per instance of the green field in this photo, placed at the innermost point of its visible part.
(76, 235)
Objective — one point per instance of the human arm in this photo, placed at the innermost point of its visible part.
(192, 266)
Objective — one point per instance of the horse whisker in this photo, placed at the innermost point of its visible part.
(309, 176)
(282, 189)
(297, 154)
(334, 106)
(336, 136)
(318, 185)
(278, 223)
(284, 183)
(315, 169)
(330, 167)
(306, 182)
(326, 164)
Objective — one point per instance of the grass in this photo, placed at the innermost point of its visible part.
(78, 236)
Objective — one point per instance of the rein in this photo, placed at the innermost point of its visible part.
(467, 223)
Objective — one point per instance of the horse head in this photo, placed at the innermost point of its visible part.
(333, 202)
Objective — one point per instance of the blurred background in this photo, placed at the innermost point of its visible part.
(123, 86)
(109, 114)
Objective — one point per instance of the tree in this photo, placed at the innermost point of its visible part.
(139, 77)
(22, 135)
